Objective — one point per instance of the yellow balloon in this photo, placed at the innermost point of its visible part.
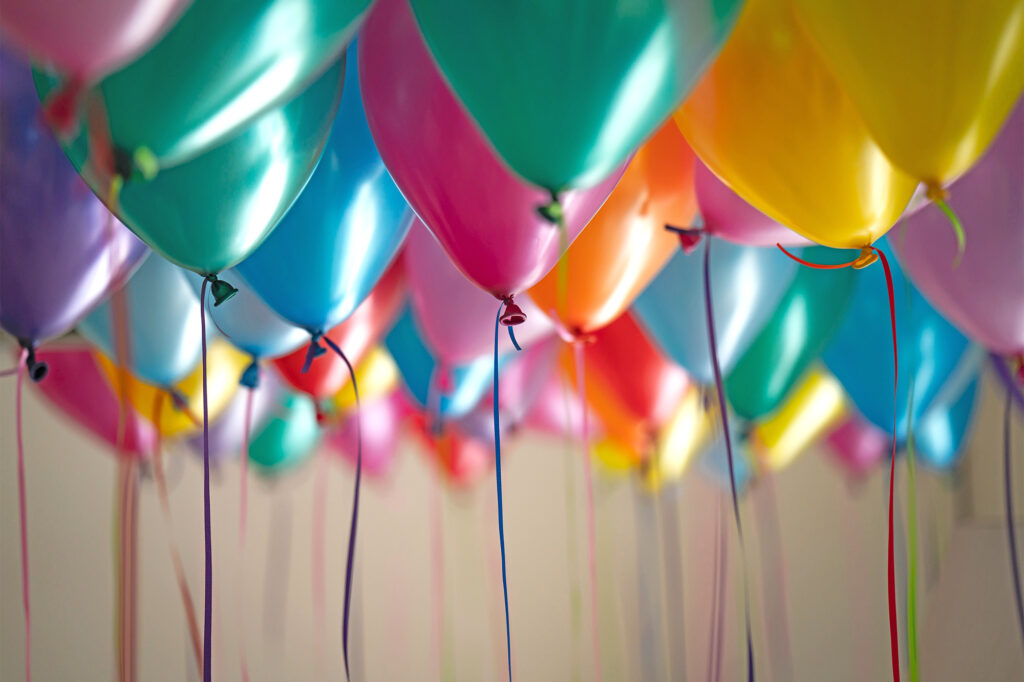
(376, 375)
(816, 405)
(933, 79)
(225, 366)
(613, 457)
(683, 436)
(771, 121)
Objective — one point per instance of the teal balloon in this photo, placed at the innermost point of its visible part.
(289, 436)
(163, 324)
(566, 90)
(334, 244)
(801, 326)
(747, 283)
(417, 366)
(213, 211)
(223, 64)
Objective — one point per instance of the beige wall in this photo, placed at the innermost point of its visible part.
(830, 553)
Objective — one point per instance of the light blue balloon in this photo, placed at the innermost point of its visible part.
(714, 461)
(289, 436)
(940, 434)
(417, 365)
(341, 234)
(747, 283)
(164, 327)
(860, 354)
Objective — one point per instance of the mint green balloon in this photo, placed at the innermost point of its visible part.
(289, 436)
(211, 212)
(566, 90)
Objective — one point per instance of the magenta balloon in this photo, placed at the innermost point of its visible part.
(455, 316)
(381, 422)
(86, 39)
(728, 216)
(858, 444)
(78, 387)
(984, 296)
(484, 216)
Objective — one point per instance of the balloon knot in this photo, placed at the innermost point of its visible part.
(177, 399)
(251, 376)
(220, 290)
(513, 314)
(313, 351)
(689, 237)
(867, 257)
(552, 211)
(61, 108)
(444, 379)
(1017, 364)
(935, 192)
(37, 370)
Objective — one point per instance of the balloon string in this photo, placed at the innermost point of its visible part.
(817, 266)
(723, 586)
(319, 558)
(126, 569)
(243, 522)
(355, 503)
(437, 549)
(497, 469)
(208, 585)
(10, 372)
(716, 573)
(570, 510)
(591, 530)
(1011, 535)
(22, 515)
(954, 221)
(723, 411)
(1008, 380)
(912, 661)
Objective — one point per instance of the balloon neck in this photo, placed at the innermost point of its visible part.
(867, 256)
(513, 315)
(552, 211)
(177, 399)
(689, 237)
(37, 370)
(220, 290)
(251, 376)
(313, 351)
(935, 192)
(1017, 364)
(62, 107)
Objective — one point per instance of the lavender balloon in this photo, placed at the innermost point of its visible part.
(984, 296)
(227, 432)
(60, 251)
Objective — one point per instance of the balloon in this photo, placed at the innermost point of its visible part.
(626, 243)
(181, 411)
(162, 320)
(77, 386)
(211, 212)
(461, 459)
(87, 39)
(355, 336)
(461, 388)
(747, 284)
(567, 90)
(227, 431)
(772, 122)
(289, 437)
(222, 65)
(726, 215)
(61, 253)
(984, 295)
(377, 377)
(815, 406)
(802, 325)
(482, 214)
(341, 234)
(679, 442)
(858, 444)
(613, 458)
(860, 354)
(380, 424)
(456, 316)
(557, 410)
(941, 434)
(933, 79)
(714, 460)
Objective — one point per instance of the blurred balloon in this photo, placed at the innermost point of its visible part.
(381, 423)
(455, 315)
(211, 212)
(626, 243)
(941, 432)
(858, 444)
(61, 252)
(557, 410)
(341, 234)
(78, 387)
(772, 122)
(714, 459)
(289, 436)
(801, 326)
(222, 65)
(461, 459)
(163, 329)
(355, 336)
(86, 39)
(588, 81)
(377, 377)
(984, 295)
(183, 403)
(679, 441)
(227, 431)
(747, 284)
(482, 214)
(933, 82)
(614, 458)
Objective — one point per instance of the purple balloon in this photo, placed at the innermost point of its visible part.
(984, 296)
(61, 252)
(381, 422)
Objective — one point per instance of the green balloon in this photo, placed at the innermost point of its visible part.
(221, 65)
(566, 90)
(288, 437)
(803, 324)
(211, 212)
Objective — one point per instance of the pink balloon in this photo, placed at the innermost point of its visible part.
(484, 216)
(728, 216)
(558, 414)
(86, 39)
(455, 316)
(858, 444)
(984, 296)
(381, 422)
(77, 386)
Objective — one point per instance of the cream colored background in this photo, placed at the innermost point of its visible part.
(831, 547)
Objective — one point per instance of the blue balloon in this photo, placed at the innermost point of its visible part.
(163, 324)
(939, 435)
(341, 234)
(417, 365)
(714, 461)
(747, 283)
(860, 354)
(289, 436)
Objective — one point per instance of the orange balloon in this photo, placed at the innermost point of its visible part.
(626, 243)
